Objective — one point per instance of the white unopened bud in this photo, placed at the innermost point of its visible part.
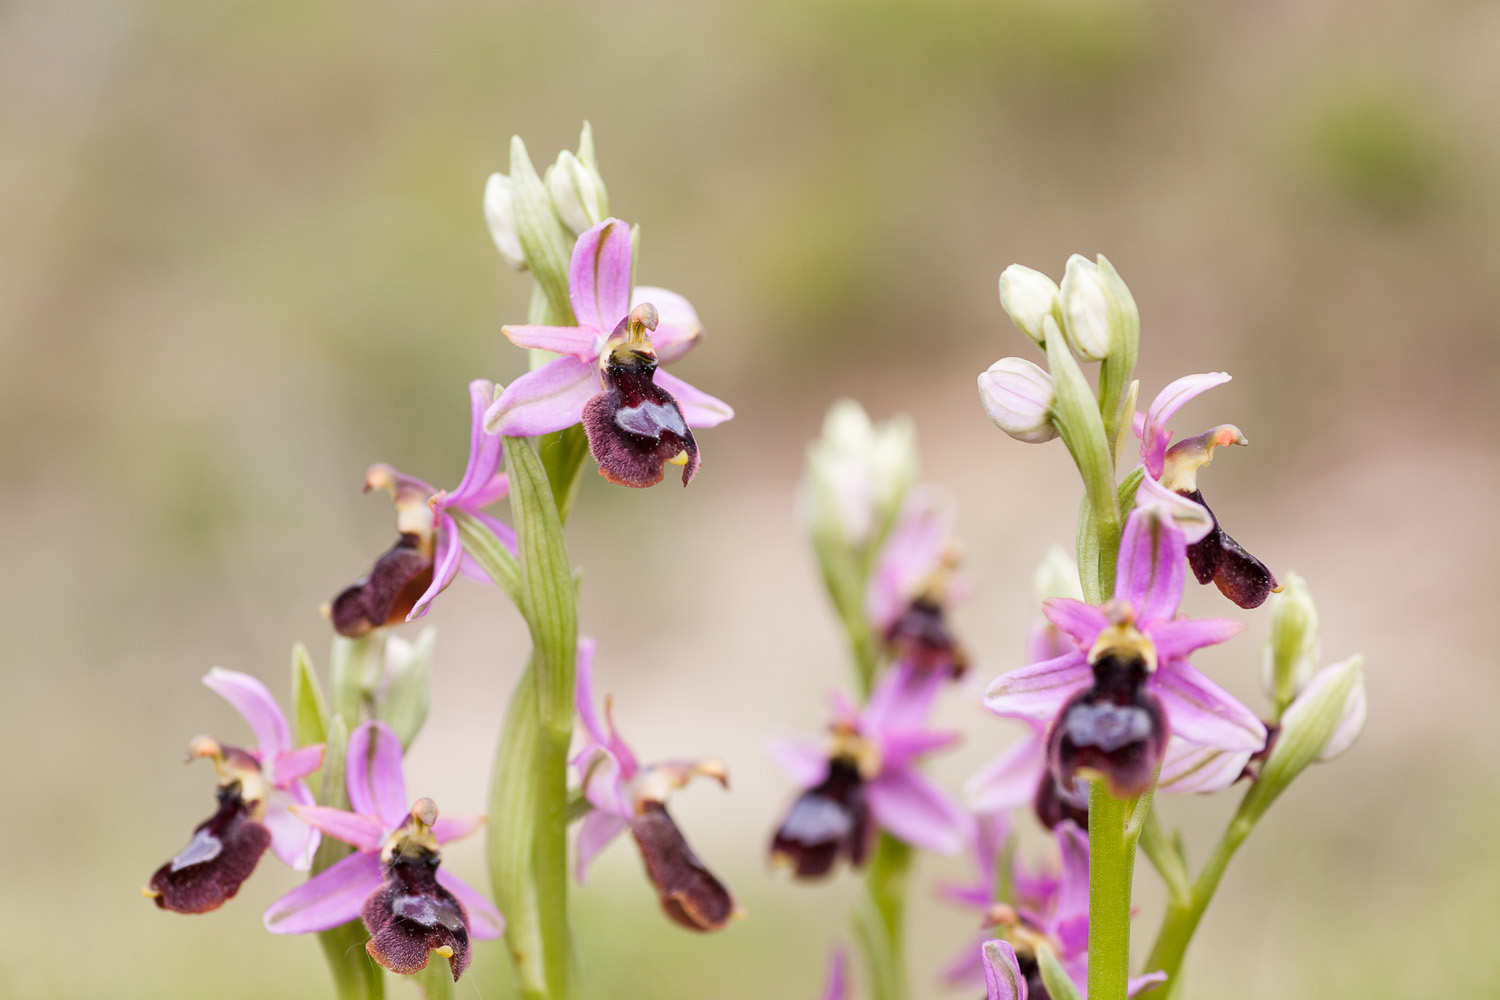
(1329, 714)
(499, 212)
(1029, 296)
(1086, 310)
(1018, 397)
(577, 193)
(858, 473)
(1290, 654)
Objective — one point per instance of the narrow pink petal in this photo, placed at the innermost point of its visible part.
(1154, 436)
(915, 810)
(901, 700)
(1082, 622)
(581, 342)
(599, 276)
(1152, 566)
(376, 785)
(1190, 769)
(912, 551)
(253, 701)
(583, 690)
(805, 761)
(1038, 691)
(1176, 639)
(1072, 899)
(606, 787)
(292, 840)
(1201, 712)
(449, 828)
(900, 748)
(677, 327)
(1011, 779)
(447, 557)
(1136, 984)
(485, 922)
(542, 401)
(698, 408)
(364, 832)
(326, 900)
(285, 769)
(594, 833)
(484, 449)
(1002, 973)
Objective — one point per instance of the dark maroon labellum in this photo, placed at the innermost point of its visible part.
(827, 822)
(921, 637)
(1117, 728)
(412, 915)
(691, 895)
(635, 426)
(385, 597)
(1031, 971)
(1054, 803)
(223, 852)
(1241, 577)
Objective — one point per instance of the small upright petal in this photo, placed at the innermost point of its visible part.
(599, 275)
(376, 785)
(1154, 434)
(1038, 691)
(253, 700)
(1151, 570)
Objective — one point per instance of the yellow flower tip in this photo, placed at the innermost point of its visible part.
(644, 316)
(715, 769)
(681, 458)
(326, 610)
(738, 913)
(446, 951)
(149, 892)
(379, 477)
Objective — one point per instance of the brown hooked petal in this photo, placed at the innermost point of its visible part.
(411, 916)
(921, 637)
(385, 597)
(1116, 728)
(223, 852)
(635, 426)
(829, 821)
(691, 895)
(1241, 577)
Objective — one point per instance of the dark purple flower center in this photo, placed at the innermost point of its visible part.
(1053, 803)
(411, 915)
(829, 821)
(1219, 559)
(920, 636)
(1116, 728)
(690, 894)
(223, 853)
(634, 426)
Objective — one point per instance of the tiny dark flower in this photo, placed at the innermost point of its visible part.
(226, 847)
(1116, 728)
(691, 895)
(914, 584)
(412, 915)
(635, 427)
(921, 636)
(1219, 559)
(825, 823)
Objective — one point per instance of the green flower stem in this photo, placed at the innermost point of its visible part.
(880, 916)
(1111, 867)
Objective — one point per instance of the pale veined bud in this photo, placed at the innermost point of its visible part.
(499, 212)
(577, 193)
(1029, 296)
(1290, 654)
(1018, 397)
(1087, 302)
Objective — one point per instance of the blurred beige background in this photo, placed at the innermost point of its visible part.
(242, 256)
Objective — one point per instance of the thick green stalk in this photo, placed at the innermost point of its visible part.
(1111, 866)
(880, 917)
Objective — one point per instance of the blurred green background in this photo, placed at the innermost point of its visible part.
(242, 256)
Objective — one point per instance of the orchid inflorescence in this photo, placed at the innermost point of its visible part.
(1111, 708)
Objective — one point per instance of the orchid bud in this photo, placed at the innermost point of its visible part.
(1028, 296)
(1018, 397)
(1321, 723)
(1099, 314)
(1290, 654)
(858, 473)
(1056, 576)
(577, 193)
(499, 213)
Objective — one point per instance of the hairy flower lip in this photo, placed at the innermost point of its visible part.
(222, 853)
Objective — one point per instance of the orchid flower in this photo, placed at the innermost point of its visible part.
(914, 584)
(256, 790)
(639, 421)
(624, 795)
(865, 776)
(1057, 920)
(410, 905)
(1127, 677)
(428, 554)
(1172, 470)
